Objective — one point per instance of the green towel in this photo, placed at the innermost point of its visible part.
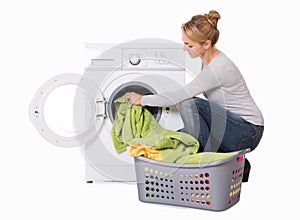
(204, 157)
(135, 124)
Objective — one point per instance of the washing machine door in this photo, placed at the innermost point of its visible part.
(86, 122)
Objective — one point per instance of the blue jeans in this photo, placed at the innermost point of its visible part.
(217, 129)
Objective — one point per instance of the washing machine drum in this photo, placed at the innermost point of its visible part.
(137, 87)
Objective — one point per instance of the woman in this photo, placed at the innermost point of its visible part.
(228, 119)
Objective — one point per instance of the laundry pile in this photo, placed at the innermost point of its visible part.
(136, 130)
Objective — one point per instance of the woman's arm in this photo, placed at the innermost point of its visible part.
(204, 81)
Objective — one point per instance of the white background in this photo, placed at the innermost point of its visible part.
(40, 39)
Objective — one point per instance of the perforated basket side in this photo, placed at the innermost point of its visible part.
(156, 183)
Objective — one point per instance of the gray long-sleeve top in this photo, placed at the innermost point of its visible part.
(221, 82)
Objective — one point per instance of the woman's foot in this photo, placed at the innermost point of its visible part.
(246, 173)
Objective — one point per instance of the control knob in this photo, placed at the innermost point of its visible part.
(135, 60)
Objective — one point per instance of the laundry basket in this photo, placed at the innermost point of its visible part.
(212, 185)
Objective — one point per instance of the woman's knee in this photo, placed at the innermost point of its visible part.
(192, 104)
(186, 105)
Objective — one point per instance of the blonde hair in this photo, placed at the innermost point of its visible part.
(203, 27)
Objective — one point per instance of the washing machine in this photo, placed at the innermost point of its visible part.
(144, 66)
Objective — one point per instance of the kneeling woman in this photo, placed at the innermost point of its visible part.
(228, 119)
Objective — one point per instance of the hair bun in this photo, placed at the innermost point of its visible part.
(213, 16)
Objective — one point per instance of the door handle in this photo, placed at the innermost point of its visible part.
(101, 108)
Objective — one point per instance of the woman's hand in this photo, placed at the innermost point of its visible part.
(133, 98)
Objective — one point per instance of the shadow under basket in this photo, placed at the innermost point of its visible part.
(212, 185)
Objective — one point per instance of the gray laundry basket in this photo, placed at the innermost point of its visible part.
(212, 185)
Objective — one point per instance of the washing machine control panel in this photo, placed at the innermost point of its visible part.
(152, 58)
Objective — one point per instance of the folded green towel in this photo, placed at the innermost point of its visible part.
(135, 124)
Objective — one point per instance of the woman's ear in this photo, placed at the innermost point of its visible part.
(207, 44)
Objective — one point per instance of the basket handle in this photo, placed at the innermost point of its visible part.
(241, 154)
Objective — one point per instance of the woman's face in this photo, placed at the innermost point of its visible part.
(194, 48)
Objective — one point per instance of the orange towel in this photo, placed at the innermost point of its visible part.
(140, 149)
